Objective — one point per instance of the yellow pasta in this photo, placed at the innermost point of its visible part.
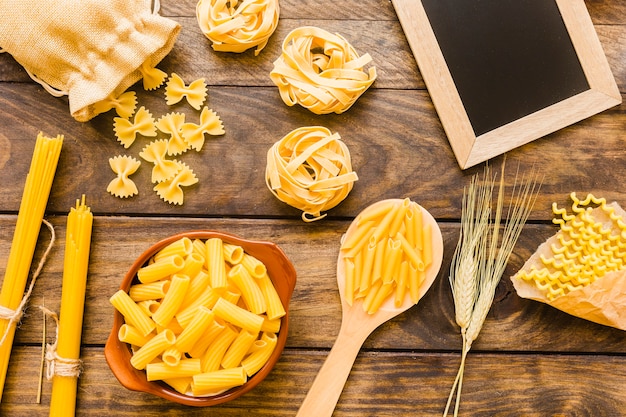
(149, 306)
(180, 384)
(255, 267)
(152, 77)
(160, 269)
(382, 250)
(238, 349)
(132, 336)
(182, 247)
(171, 190)
(172, 124)
(256, 360)
(153, 348)
(250, 290)
(196, 287)
(172, 300)
(238, 316)
(275, 308)
(214, 354)
(210, 124)
(200, 347)
(208, 298)
(197, 326)
(176, 90)
(193, 265)
(217, 381)
(124, 104)
(132, 313)
(233, 254)
(151, 291)
(161, 370)
(127, 131)
(215, 262)
(236, 26)
(310, 169)
(321, 71)
(122, 186)
(270, 325)
(163, 169)
(171, 357)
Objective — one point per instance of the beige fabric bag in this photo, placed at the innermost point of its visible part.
(88, 49)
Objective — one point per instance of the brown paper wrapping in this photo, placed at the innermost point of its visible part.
(603, 301)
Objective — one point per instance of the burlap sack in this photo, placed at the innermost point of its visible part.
(87, 49)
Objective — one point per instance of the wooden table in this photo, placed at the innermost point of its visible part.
(529, 360)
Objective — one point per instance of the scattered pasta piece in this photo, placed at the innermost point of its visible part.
(124, 105)
(320, 71)
(210, 123)
(172, 124)
(123, 186)
(126, 131)
(310, 169)
(171, 190)
(176, 89)
(591, 242)
(153, 77)
(234, 26)
(163, 168)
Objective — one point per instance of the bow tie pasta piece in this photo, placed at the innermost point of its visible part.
(163, 168)
(126, 131)
(210, 123)
(234, 26)
(321, 71)
(172, 124)
(122, 186)
(171, 190)
(310, 169)
(124, 105)
(153, 77)
(176, 89)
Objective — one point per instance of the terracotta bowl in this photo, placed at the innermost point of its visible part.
(118, 354)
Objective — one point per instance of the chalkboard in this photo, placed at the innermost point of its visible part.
(502, 73)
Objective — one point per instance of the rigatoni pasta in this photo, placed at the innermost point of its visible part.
(195, 326)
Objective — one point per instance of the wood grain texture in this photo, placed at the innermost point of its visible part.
(530, 359)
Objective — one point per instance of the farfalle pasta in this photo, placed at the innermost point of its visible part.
(310, 169)
(124, 105)
(163, 169)
(210, 124)
(581, 269)
(126, 131)
(176, 90)
(321, 71)
(234, 26)
(172, 124)
(122, 186)
(171, 190)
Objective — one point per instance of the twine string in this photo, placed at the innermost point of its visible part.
(55, 364)
(14, 316)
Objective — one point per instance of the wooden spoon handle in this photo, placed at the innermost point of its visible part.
(329, 382)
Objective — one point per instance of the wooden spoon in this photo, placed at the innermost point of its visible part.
(356, 326)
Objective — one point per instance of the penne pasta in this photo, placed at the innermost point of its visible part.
(214, 354)
(275, 308)
(238, 316)
(171, 357)
(193, 265)
(153, 348)
(152, 291)
(162, 371)
(133, 314)
(217, 381)
(255, 267)
(198, 325)
(160, 269)
(180, 384)
(215, 260)
(181, 247)
(202, 344)
(132, 336)
(250, 290)
(257, 359)
(149, 306)
(238, 349)
(233, 254)
(172, 300)
(208, 298)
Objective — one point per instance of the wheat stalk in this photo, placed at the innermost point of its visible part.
(481, 256)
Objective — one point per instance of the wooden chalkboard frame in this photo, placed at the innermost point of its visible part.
(471, 149)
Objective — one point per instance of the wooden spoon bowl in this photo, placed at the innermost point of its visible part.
(357, 325)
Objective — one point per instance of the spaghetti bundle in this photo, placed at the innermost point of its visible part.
(321, 71)
(29, 219)
(65, 354)
(310, 169)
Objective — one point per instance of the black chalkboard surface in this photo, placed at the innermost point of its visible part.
(504, 72)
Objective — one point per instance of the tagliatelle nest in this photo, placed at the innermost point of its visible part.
(321, 71)
(310, 169)
(234, 26)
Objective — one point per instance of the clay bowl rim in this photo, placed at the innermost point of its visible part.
(281, 272)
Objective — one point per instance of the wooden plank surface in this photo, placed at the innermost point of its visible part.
(530, 359)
